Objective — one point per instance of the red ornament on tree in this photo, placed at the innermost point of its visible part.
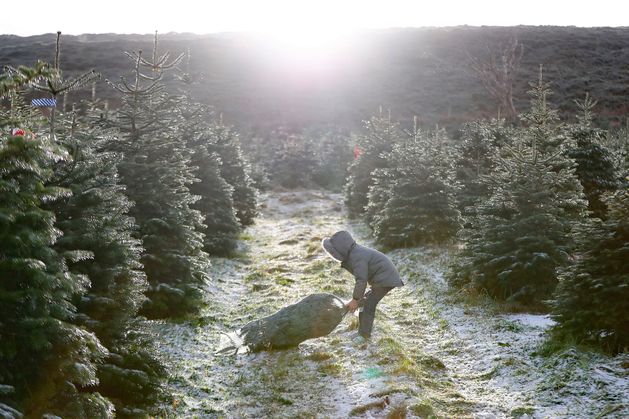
(357, 152)
(18, 132)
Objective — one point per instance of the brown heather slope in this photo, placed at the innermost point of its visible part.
(411, 71)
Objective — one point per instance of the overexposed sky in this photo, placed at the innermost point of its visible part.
(298, 17)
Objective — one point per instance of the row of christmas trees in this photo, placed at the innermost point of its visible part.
(106, 217)
(315, 157)
(540, 210)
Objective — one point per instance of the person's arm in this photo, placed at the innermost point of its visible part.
(361, 272)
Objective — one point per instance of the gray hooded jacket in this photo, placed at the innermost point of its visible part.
(368, 266)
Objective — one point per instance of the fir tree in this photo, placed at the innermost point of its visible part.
(592, 299)
(55, 84)
(157, 173)
(380, 191)
(95, 219)
(219, 141)
(215, 195)
(15, 78)
(595, 164)
(236, 170)
(379, 136)
(216, 205)
(333, 155)
(260, 150)
(618, 144)
(413, 201)
(522, 233)
(479, 142)
(291, 161)
(45, 357)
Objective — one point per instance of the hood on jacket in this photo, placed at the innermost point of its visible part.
(339, 245)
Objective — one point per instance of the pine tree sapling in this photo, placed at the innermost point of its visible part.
(333, 154)
(157, 173)
(96, 219)
(595, 165)
(618, 145)
(474, 154)
(380, 191)
(170, 229)
(379, 137)
(413, 201)
(520, 235)
(15, 78)
(591, 303)
(214, 195)
(36, 307)
(55, 84)
(236, 171)
(215, 205)
(291, 161)
(260, 150)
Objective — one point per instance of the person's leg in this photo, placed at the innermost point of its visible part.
(368, 313)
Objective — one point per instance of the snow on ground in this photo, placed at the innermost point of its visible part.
(431, 354)
(531, 320)
(494, 357)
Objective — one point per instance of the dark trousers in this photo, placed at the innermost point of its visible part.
(368, 313)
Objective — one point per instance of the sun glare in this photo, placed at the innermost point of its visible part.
(304, 46)
(309, 37)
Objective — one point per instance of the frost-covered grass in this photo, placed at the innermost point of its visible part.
(495, 359)
(433, 354)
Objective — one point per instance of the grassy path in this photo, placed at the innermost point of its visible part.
(432, 356)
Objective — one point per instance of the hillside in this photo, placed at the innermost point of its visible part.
(258, 84)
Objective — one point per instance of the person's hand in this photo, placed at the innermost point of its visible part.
(352, 305)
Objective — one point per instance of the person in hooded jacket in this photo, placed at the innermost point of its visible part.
(368, 266)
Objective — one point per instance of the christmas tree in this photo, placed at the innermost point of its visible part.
(15, 78)
(379, 137)
(55, 84)
(215, 202)
(595, 165)
(480, 140)
(260, 150)
(619, 145)
(291, 159)
(95, 219)
(333, 154)
(216, 205)
(219, 145)
(413, 201)
(592, 299)
(520, 235)
(157, 173)
(235, 169)
(46, 359)
(380, 191)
